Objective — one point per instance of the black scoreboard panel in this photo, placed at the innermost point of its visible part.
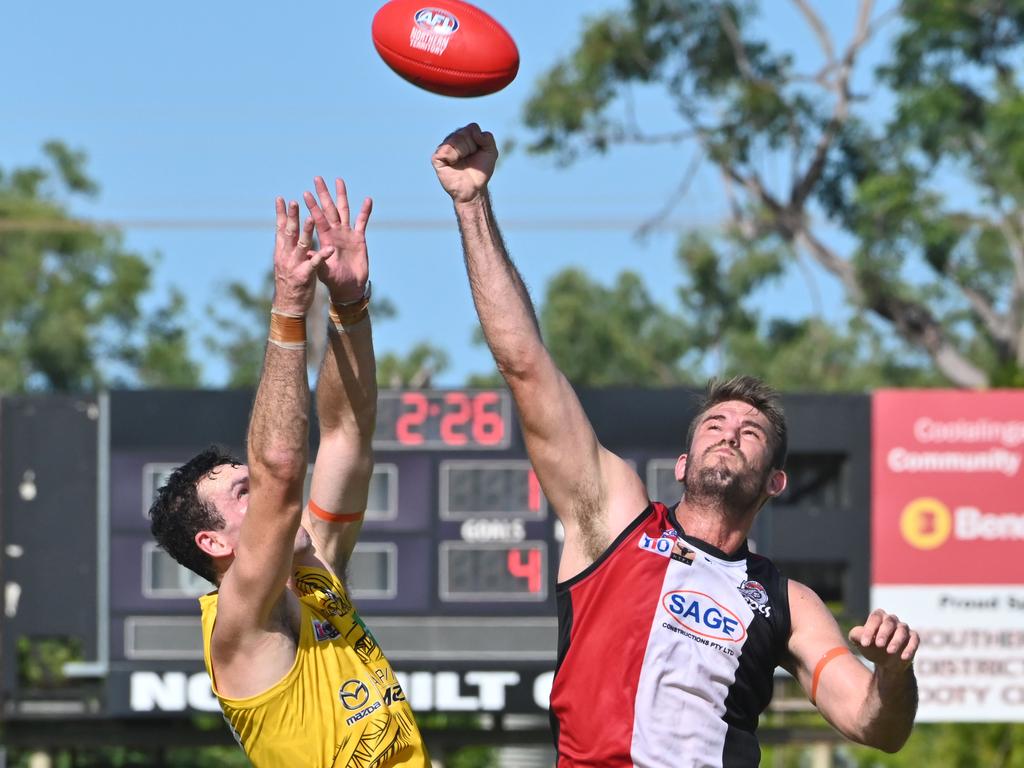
(455, 568)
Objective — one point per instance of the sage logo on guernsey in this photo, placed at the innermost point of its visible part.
(703, 615)
(926, 523)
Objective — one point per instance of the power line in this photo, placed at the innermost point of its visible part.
(556, 224)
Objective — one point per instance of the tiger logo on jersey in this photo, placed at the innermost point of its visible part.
(333, 603)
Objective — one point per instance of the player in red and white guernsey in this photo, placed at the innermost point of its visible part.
(670, 629)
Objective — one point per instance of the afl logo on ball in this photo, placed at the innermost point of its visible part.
(436, 21)
(354, 694)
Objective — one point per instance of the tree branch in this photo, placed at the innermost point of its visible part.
(681, 191)
(739, 53)
(912, 320)
(1016, 247)
(917, 325)
(632, 134)
(979, 154)
(997, 325)
(804, 184)
(1009, 332)
(814, 21)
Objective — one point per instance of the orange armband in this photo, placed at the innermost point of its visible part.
(828, 656)
(330, 517)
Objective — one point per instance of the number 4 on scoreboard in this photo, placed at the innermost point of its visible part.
(528, 568)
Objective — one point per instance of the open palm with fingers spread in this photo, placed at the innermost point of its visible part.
(345, 273)
(295, 265)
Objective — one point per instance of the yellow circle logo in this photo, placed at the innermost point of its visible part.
(926, 523)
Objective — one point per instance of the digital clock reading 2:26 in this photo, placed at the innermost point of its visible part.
(443, 419)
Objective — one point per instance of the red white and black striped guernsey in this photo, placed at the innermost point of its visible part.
(666, 653)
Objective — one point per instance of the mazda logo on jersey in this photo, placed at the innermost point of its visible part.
(703, 615)
(354, 694)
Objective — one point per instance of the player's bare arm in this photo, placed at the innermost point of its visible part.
(251, 645)
(594, 493)
(346, 394)
(875, 708)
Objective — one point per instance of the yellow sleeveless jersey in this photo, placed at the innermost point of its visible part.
(339, 706)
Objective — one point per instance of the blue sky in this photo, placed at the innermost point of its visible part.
(202, 112)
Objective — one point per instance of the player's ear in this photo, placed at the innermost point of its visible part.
(776, 482)
(213, 543)
(681, 467)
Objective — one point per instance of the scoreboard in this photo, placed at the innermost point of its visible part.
(455, 568)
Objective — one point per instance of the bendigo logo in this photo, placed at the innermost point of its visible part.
(926, 523)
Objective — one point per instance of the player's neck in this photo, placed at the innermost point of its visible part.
(711, 523)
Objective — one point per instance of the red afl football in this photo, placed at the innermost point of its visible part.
(452, 48)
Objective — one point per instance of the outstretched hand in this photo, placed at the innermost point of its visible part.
(885, 641)
(345, 272)
(295, 265)
(465, 161)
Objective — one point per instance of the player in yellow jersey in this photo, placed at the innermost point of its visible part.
(300, 678)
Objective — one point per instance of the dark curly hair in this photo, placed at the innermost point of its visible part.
(753, 391)
(178, 514)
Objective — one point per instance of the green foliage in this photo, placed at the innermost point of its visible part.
(71, 305)
(602, 336)
(241, 339)
(164, 359)
(949, 745)
(41, 660)
(414, 370)
(917, 212)
(471, 757)
(207, 757)
(619, 336)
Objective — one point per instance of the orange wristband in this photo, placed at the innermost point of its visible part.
(330, 517)
(287, 330)
(344, 314)
(347, 314)
(828, 656)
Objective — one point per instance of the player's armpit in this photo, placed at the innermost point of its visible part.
(594, 493)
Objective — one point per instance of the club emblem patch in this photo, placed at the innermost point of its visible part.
(756, 596)
(683, 554)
